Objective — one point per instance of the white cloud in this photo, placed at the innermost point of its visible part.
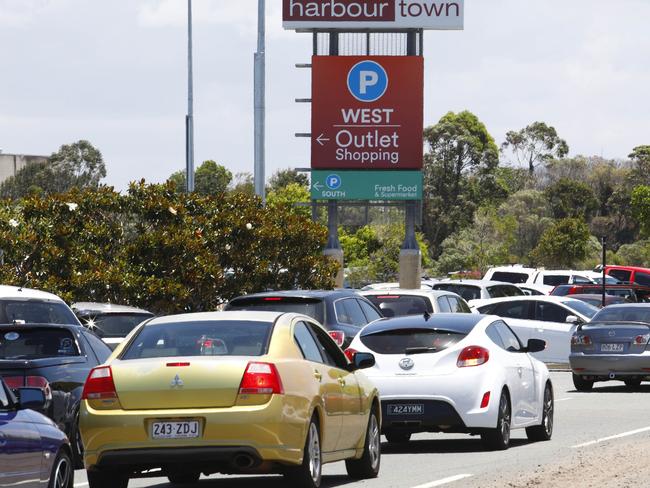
(18, 13)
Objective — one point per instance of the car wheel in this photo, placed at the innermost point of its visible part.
(397, 437)
(309, 473)
(184, 478)
(544, 431)
(368, 465)
(77, 444)
(499, 439)
(106, 479)
(582, 384)
(62, 475)
(632, 383)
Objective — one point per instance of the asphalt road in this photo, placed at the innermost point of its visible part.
(584, 426)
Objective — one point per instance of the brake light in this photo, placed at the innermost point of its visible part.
(338, 336)
(486, 400)
(472, 356)
(573, 290)
(388, 297)
(642, 339)
(273, 299)
(261, 379)
(349, 353)
(14, 382)
(39, 382)
(581, 340)
(177, 365)
(99, 385)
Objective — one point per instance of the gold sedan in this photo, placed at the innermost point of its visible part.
(229, 392)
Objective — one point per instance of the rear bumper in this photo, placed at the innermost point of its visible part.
(605, 365)
(436, 415)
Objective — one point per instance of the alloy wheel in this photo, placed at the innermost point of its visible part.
(314, 453)
(505, 419)
(62, 473)
(548, 412)
(374, 441)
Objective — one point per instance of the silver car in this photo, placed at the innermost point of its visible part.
(615, 345)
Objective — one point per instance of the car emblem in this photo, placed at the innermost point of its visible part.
(406, 364)
(177, 382)
(612, 333)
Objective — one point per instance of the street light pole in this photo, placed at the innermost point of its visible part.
(189, 119)
(260, 102)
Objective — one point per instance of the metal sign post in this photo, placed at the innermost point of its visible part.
(189, 120)
(260, 102)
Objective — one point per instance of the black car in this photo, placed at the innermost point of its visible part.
(342, 312)
(56, 359)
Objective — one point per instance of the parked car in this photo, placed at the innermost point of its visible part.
(479, 289)
(57, 359)
(544, 278)
(552, 319)
(455, 373)
(533, 290)
(511, 274)
(27, 306)
(397, 303)
(34, 452)
(341, 312)
(615, 345)
(428, 285)
(250, 392)
(633, 293)
(597, 300)
(630, 274)
(112, 323)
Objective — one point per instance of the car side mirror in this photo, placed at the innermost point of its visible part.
(535, 345)
(573, 319)
(363, 360)
(32, 398)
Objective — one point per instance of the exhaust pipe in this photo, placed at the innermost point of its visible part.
(612, 376)
(243, 461)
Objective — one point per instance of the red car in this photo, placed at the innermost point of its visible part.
(630, 274)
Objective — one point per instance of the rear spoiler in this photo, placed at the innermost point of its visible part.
(614, 323)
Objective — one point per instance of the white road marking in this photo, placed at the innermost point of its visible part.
(617, 436)
(444, 481)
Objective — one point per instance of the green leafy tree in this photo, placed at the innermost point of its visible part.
(640, 157)
(571, 199)
(535, 144)
(285, 177)
(563, 245)
(244, 183)
(289, 197)
(636, 254)
(641, 207)
(210, 178)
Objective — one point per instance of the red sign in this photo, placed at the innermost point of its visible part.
(367, 112)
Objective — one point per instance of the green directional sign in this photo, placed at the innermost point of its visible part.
(366, 185)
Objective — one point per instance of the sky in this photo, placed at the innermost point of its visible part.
(115, 73)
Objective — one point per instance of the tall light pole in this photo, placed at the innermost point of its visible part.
(189, 119)
(259, 102)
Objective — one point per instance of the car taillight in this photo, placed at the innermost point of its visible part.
(641, 339)
(349, 353)
(338, 336)
(99, 385)
(581, 340)
(261, 379)
(14, 382)
(39, 382)
(472, 356)
(486, 400)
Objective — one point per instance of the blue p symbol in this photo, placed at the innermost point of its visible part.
(333, 182)
(367, 81)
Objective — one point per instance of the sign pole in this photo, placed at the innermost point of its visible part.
(260, 101)
(189, 120)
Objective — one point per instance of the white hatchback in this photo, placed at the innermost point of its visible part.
(452, 373)
(397, 303)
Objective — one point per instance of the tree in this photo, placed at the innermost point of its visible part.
(563, 244)
(636, 254)
(284, 177)
(244, 183)
(77, 165)
(571, 199)
(640, 157)
(210, 178)
(535, 144)
(462, 156)
(641, 208)
(288, 197)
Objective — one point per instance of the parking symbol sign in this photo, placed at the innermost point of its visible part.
(367, 81)
(333, 182)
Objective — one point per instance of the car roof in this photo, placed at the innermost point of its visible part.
(628, 305)
(42, 326)
(19, 292)
(539, 298)
(457, 322)
(301, 294)
(402, 291)
(474, 282)
(105, 308)
(246, 316)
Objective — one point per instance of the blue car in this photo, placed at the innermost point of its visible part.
(34, 453)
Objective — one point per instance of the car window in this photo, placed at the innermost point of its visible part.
(550, 312)
(114, 325)
(509, 338)
(509, 277)
(332, 353)
(4, 399)
(37, 343)
(629, 313)
(443, 305)
(468, 292)
(499, 291)
(33, 311)
(371, 313)
(620, 274)
(348, 311)
(306, 342)
(555, 280)
(398, 341)
(581, 307)
(458, 305)
(642, 278)
(494, 335)
(312, 307)
(581, 280)
(401, 305)
(513, 310)
(101, 350)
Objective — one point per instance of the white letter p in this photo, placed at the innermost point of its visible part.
(367, 79)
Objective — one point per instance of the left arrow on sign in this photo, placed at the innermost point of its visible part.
(321, 139)
(318, 186)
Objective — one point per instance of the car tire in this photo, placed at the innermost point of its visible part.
(632, 383)
(62, 475)
(77, 444)
(544, 431)
(368, 465)
(184, 478)
(582, 384)
(397, 437)
(498, 439)
(309, 473)
(106, 479)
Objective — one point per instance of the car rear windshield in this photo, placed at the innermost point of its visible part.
(623, 314)
(36, 343)
(35, 312)
(114, 325)
(312, 307)
(468, 292)
(400, 305)
(401, 341)
(555, 280)
(215, 338)
(509, 277)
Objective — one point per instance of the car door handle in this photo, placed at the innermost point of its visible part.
(317, 375)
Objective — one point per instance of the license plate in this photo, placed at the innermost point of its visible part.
(611, 347)
(175, 430)
(414, 409)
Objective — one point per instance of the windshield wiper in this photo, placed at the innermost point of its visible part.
(419, 350)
